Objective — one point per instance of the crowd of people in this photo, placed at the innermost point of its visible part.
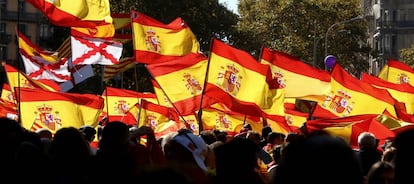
(133, 154)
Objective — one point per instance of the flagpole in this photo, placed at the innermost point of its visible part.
(261, 52)
(106, 100)
(178, 112)
(200, 111)
(139, 112)
(19, 7)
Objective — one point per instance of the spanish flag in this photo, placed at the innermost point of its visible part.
(152, 115)
(228, 121)
(238, 80)
(121, 20)
(13, 76)
(299, 79)
(350, 127)
(397, 72)
(7, 94)
(119, 101)
(105, 31)
(350, 96)
(54, 110)
(188, 75)
(403, 92)
(161, 97)
(155, 42)
(84, 13)
(8, 110)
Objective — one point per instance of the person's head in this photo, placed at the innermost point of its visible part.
(319, 158)
(89, 132)
(208, 136)
(265, 131)
(253, 136)
(115, 134)
(367, 140)
(276, 138)
(184, 147)
(44, 133)
(381, 173)
(221, 135)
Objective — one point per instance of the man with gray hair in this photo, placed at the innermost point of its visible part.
(367, 153)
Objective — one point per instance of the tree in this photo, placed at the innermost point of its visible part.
(407, 55)
(298, 28)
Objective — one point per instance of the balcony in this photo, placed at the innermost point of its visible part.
(23, 17)
(5, 38)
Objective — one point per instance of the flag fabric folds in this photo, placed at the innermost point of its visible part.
(123, 65)
(155, 42)
(54, 110)
(19, 79)
(228, 121)
(95, 51)
(188, 73)
(350, 96)
(84, 13)
(350, 127)
(8, 110)
(397, 72)
(299, 79)
(402, 92)
(41, 64)
(119, 101)
(237, 80)
(152, 115)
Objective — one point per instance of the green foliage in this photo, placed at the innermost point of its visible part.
(298, 28)
(407, 55)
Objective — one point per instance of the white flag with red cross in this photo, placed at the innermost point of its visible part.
(87, 50)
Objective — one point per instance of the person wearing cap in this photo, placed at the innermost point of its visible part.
(187, 153)
(89, 132)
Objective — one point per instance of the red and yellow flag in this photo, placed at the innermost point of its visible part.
(161, 119)
(54, 110)
(155, 42)
(350, 96)
(188, 75)
(7, 94)
(219, 117)
(237, 80)
(119, 101)
(161, 97)
(350, 127)
(402, 92)
(397, 72)
(8, 110)
(299, 79)
(85, 13)
(13, 76)
(123, 65)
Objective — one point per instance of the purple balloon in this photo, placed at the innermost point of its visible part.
(330, 61)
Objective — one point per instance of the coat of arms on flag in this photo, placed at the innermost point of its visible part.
(229, 79)
(339, 102)
(46, 117)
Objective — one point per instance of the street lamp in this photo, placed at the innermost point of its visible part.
(335, 24)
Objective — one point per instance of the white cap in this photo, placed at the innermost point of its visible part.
(195, 145)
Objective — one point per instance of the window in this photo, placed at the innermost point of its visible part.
(22, 28)
(2, 27)
(44, 31)
(22, 6)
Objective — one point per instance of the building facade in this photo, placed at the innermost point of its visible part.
(391, 28)
(18, 14)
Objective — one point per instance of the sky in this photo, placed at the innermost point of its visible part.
(231, 4)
